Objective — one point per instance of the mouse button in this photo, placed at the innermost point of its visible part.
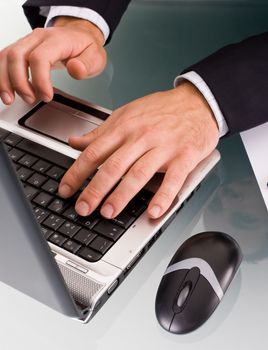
(198, 308)
(184, 292)
(165, 296)
(227, 265)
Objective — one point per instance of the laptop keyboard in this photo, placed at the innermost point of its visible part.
(40, 169)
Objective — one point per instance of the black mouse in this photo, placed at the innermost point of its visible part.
(195, 281)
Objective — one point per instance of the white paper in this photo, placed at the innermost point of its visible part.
(256, 144)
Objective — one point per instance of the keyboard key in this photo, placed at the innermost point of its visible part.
(89, 254)
(101, 245)
(41, 166)
(8, 148)
(37, 180)
(124, 220)
(24, 173)
(15, 154)
(70, 214)
(58, 205)
(40, 214)
(144, 196)
(53, 222)
(57, 239)
(88, 221)
(109, 230)
(46, 232)
(30, 192)
(55, 172)
(71, 246)
(3, 133)
(12, 139)
(27, 160)
(69, 229)
(85, 236)
(43, 199)
(46, 153)
(50, 186)
(135, 208)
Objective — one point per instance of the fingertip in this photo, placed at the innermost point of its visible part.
(77, 69)
(47, 99)
(7, 97)
(155, 211)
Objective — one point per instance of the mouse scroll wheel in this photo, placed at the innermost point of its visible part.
(184, 294)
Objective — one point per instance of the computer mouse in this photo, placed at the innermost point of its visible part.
(195, 281)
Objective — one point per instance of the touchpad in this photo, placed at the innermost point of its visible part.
(60, 121)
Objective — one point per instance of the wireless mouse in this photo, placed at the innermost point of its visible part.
(195, 281)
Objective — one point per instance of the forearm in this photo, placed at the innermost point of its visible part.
(237, 75)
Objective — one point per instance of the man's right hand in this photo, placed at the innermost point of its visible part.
(76, 43)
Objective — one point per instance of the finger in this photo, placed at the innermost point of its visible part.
(81, 142)
(89, 63)
(136, 178)
(6, 91)
(92, 157)
(172, 183)
(108, 176)
(17, 65)
(41, 60)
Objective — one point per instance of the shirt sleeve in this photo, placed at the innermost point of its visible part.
(50, 12)
(201, 85)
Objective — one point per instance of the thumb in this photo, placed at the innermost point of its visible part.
(89, 63)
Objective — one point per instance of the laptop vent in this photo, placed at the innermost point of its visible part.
(81, 287)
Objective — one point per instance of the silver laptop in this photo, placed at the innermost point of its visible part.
(70, 263)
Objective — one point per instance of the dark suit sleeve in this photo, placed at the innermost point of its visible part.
(238, 77)
(110, 10)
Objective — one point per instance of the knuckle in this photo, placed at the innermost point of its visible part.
(73, 176)
(91, 154)
(174, 179)
(118, 199)
(35, 57)
(92, 193)
(114, 164)
(19, 86)
(164, 196)
(13, 54)
(38, 31)
(123, 125)
(139, 173)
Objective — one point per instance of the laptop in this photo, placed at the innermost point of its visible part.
(72, 264)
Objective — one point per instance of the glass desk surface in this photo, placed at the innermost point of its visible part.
(155, 41)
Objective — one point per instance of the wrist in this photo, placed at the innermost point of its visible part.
(197, 102)
(63, 21)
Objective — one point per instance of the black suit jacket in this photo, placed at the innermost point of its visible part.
(110, 10)
(237, 74)
(238, 78)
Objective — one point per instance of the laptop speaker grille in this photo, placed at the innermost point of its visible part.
(81, 287)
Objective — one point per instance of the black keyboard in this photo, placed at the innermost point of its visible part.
(40, 169)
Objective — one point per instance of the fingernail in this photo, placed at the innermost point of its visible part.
(65, 191)
(82, 208)
(107, 210)
(46, 99)
(6, 98)
(155, 211)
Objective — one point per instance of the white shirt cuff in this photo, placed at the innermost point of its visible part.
(201, 85)
(80, 12)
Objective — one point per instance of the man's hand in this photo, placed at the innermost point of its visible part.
(76, 43)
(168, 131)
